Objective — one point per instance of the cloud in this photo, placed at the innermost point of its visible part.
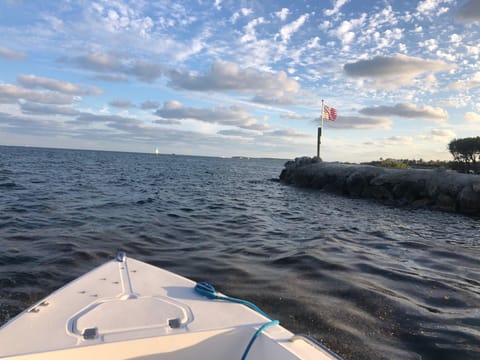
(146, 71)
(337, 5)
(118, 69)
(345, 122)
(407, 111)
(472, 117)
(288, 30)
(391, 72)
(233, 115)
(97, 62)
(149, 104)
(399, 140)
(121, 103)
(346, 31)
(64, 87)
(274, 100)
(427, 6)
(227, 76)
(39, 109)
(118, 78)
(110, 120)
(438, 135)
(11, 55)
(430, 44)
(466, 84)
(250, 33)
(294, 116)
(236, 133)
(167, 122)
(286, 133)
(469, 12)
(10, 94)
(445, 133)
(282, 14)
(25, 125)
(243, 11)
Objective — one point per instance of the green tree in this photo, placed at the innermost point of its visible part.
(466, 153)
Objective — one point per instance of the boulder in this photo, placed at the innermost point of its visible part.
(436, 189)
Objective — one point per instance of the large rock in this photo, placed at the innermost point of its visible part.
(468, 200)
(436, 189)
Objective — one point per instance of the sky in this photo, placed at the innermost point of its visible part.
(241, 78)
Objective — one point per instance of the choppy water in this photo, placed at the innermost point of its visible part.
(369, 281)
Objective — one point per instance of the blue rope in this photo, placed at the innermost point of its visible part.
(206, 289)
(254, 337)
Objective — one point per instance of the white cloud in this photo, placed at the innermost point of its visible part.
(233, 115)
(294, 116)
(456, 39)
(246, 11)
(400, 139)
(11, 55)
(430, 44)
(288, 30)
(337, 5)
(117, 69)
(442, 11)
(149, 104)
(121, 103)
(438, 135)
(391, 72)
(11, 94)
(282, 14)
(242, 11)
(449, 56)
(466, 84)
(313, 43)
(444, 133)
(40, 109)
(98, 62)
(472, 117)
(407, 111)
(33, 81)
(226, 76)
(428, 7)
(250, 33)
(346, 31)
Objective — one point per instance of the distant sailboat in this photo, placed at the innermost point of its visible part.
(157, 151)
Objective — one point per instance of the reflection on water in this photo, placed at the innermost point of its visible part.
(369, 281)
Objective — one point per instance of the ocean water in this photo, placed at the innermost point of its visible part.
(367, 280)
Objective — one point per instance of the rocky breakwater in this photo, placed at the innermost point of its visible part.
(436, 189)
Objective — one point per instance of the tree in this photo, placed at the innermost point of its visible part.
(466, 153)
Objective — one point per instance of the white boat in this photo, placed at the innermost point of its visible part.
(127, 309)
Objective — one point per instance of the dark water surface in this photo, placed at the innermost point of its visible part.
(369, 281)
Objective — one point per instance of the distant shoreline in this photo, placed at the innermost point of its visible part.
(437, 189)
(142, 152)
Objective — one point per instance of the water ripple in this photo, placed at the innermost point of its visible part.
(369, 281)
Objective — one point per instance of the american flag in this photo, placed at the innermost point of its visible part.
(329, 113)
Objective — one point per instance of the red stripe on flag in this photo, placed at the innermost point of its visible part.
(329, 113)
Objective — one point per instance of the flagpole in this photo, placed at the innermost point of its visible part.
(319, 134)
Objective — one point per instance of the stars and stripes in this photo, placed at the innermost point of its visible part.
(329, 113)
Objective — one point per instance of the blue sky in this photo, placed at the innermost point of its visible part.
(226, 78)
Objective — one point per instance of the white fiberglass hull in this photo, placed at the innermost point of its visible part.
(127, 309)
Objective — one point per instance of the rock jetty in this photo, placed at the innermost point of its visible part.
(435, 189)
